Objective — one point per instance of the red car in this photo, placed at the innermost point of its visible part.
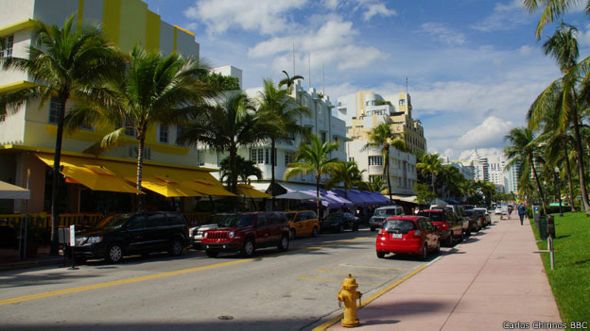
(407, 235)
(449, 226)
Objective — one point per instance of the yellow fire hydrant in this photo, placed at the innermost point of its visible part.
(349, 295)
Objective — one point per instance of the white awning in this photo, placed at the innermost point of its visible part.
(9, 191)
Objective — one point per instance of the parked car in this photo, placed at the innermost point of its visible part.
(407, 235)
(247, 232)
(123, 234)
(381, 213)
(498, 211)
(303, 223)
(486, 219)
(449, 226)
(196, 233)
(340, 221)
(475, 221)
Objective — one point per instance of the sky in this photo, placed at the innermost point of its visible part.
(473, 66)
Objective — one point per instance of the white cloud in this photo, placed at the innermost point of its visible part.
(332, 44)
(490, 133)
(374, 9)
(493, 154)
(266, 17)
(525, 50)
(443, 33)
(506, 16)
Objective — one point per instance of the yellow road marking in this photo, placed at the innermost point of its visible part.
(72, 290)
(324, 326)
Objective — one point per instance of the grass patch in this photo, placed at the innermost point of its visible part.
(570, 281)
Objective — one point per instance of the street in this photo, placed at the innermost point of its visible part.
(287, 291)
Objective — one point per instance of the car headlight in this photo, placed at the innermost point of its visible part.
(94, 239)
(231, 234)
(205, 235)
(80, 241)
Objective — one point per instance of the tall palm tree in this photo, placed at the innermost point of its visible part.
(313, 157)
(225, 127)
(560, 99)
(430, 165)
(64, 61)
(151, 89)
(347, 173)
(278, 113)
(245, 169)
(520, 149)
(383, 137)
(553, 9)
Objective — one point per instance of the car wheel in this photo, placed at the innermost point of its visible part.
(114, 253)
(248, 248)
(292, 234)
(211, 253)
(372, 229)
(424, 253)
(437, 249)
(380, 255)
(283, 244)
(175, 248)
(314, 232)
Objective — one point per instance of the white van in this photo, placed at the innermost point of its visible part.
(381, 213)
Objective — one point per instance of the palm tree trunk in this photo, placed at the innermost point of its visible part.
(56, 177)
(581, 169)
(386, 172)
(273, 142)
(539, 187)
(317, 196)
(570, 183)
(139, 177)
(233, 176)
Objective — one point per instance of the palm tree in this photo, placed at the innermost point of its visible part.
(64, 62)
(151, 89)
(225, 127)
(559, 101)
(313, 157)
(245, 169)
(347, 173)
(289, 81)
(278, 112)
(430, 165)
(520, 149)
(383, 137)
(552, 10)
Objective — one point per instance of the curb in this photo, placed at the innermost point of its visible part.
(324, 326)
(31, 264)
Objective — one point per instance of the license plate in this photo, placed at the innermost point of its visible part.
(396, 236)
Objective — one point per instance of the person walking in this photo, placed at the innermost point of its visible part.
(510, 209)
(521, 212)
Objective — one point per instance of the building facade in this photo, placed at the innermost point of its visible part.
(321, 122)
(32, 128)
(364, 110)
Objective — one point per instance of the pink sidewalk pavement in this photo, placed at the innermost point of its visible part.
(494, 277)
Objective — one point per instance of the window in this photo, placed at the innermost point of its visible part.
(163, 133)
(266, 156)
(402, 102)
(179, 133)
(288, 158)
(54, 107)
(376, 160)
(351, 159)
(323, 136)
(129, 129)
(6, 50)
(260, 155)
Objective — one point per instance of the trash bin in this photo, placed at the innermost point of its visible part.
(543, 227)
(550, 227)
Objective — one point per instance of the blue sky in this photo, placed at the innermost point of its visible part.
(474, 66)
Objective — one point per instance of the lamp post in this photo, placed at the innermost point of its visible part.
(558, 188)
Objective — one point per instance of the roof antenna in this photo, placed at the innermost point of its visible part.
(309, 70)
(406, 84)
(294, 57)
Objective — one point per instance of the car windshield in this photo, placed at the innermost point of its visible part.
(290, 216)
(234, 220)
(385, 212)
(113, 222)
(398, 225)
(433, 216)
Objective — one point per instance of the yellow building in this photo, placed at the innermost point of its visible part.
(27, 135)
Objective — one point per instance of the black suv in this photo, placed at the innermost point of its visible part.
(339, 221)
(119, 235)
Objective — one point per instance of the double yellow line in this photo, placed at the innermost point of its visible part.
(96, 286)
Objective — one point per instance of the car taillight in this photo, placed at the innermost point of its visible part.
(381, 232)
(417, 233)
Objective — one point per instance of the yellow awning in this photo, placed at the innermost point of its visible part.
(250, 192)
(90, 174)
(207, 189)
(169, 189)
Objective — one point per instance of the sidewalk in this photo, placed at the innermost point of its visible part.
(495, 277)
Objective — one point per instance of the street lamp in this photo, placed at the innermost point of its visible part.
(558, 188)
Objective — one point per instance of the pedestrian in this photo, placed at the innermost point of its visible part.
(521, 212)
(510, 208)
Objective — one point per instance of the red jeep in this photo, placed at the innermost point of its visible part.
(246, 232)
(450, 228)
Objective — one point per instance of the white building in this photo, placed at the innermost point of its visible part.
(511, 178)
(496, 174)
(321, 122)
(363, 111)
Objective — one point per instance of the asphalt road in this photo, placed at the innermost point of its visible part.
(272, 291)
